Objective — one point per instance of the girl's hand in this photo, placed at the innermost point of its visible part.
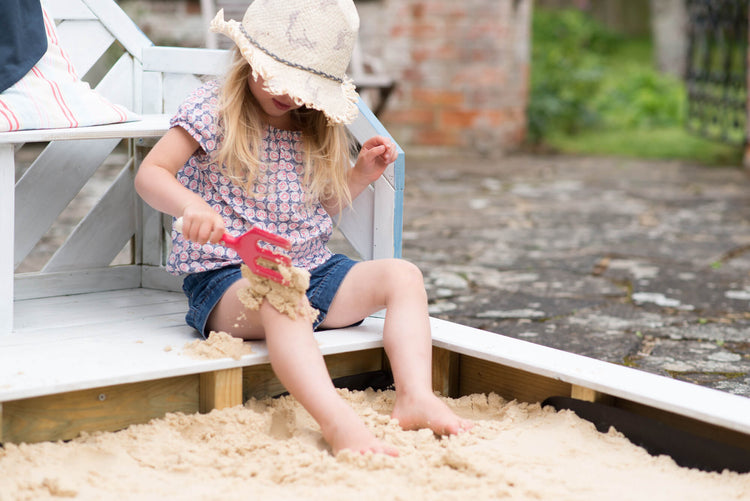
(376, 154)
(201, 224)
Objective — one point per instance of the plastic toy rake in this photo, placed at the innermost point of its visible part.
(248, 248)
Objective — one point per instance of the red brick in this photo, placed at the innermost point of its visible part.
(461, 80)
(410, 117)
(432, 97)
(434, 137)
(457, 119)
(495, 118)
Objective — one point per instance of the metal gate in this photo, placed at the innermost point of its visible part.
(717, 69)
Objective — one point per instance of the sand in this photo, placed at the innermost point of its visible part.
(217, 345)
(272, 449)
(286, 298)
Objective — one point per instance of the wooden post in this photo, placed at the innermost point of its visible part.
(220, 389)
(589, 395)
(7, 208)
(445, 374)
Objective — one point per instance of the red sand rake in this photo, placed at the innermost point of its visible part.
(248, 248)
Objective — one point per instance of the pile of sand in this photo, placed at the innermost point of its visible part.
(218, 345)
(272, 449)
(286, 297)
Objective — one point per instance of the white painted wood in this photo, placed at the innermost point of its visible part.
(111, 86)
(155, 277)
(153, 240)
(128, 34)
(48, 186)
(67, 9)
(103, 233)
(138, 88)
(7, 203)
(399, 174)
(208, 11)
(186, 60)
(382, 223)
(122, 337)
(85, 42)
(697, 402)
(152, 125)
(35, 285)
(356, 223)
(75, 314)
(150, 93)
(178, 86)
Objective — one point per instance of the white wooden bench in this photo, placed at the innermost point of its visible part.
(81, 325)
(86, 345)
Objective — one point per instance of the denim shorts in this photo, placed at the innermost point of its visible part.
(204, 289)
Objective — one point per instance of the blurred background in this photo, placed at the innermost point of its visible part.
(660, 79)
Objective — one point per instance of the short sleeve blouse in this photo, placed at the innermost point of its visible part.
(279, 204)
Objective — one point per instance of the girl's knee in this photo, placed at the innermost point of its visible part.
(405, 274)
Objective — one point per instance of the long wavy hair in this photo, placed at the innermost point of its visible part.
(327, 148)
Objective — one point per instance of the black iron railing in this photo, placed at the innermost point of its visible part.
(717, 69)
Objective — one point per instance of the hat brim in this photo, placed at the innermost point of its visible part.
(337, 100)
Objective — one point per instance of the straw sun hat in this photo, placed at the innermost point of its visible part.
(301, 48)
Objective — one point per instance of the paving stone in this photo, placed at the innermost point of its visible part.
(640, 263)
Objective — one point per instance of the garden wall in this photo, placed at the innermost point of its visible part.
(462, 72)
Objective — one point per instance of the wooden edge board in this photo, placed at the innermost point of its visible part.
(64, 416)
(679, 397)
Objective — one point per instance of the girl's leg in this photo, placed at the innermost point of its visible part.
(398, 286)
(298, 363)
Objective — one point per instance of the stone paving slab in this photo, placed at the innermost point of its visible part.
(640, 263)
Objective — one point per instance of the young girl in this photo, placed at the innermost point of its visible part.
(267, 147)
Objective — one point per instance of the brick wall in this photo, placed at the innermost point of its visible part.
(462, 72)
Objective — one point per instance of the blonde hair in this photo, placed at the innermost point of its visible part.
(327, 148)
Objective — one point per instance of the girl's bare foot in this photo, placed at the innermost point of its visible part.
(350, 433)
(428, 411)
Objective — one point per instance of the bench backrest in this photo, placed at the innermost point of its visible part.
(110, 51)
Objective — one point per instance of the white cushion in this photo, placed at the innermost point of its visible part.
(51, 95)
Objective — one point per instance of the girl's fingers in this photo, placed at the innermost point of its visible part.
(216, 235)
(200, 230)
(377, 151)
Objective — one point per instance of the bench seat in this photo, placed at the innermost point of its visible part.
(101, 361)
(83, 341)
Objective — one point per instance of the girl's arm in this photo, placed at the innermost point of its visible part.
(157, 184)
(376, 154)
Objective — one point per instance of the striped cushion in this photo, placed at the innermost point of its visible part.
(51, 95)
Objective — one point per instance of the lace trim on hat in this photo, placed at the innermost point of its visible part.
(289, 63)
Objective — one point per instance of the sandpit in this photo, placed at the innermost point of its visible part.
(272, 449)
